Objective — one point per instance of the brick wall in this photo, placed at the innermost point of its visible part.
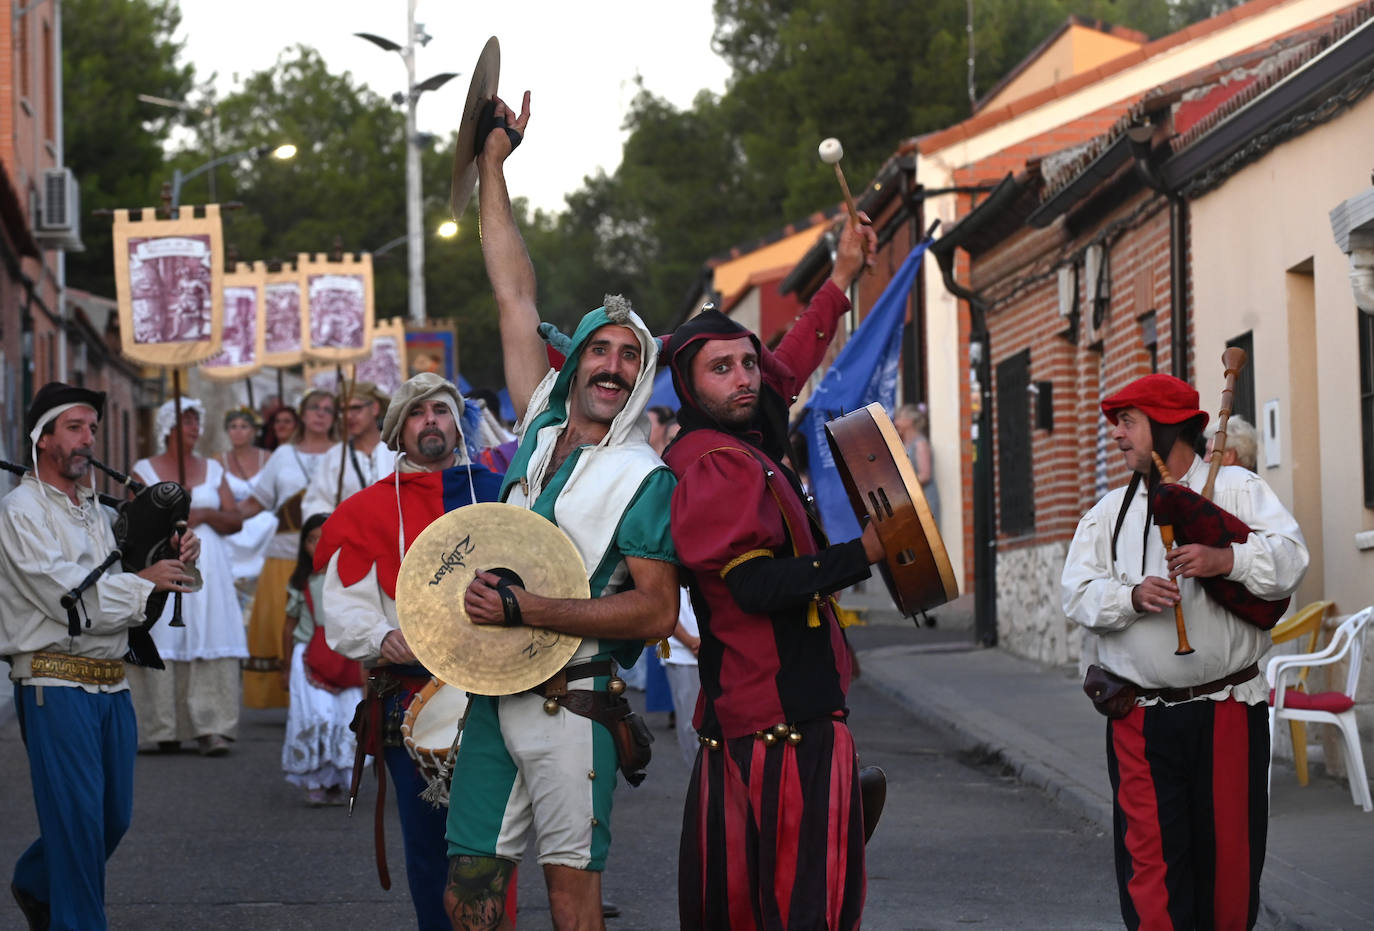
(1020, 278)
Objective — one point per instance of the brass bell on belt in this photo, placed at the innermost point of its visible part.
(769, 738)
(781, 730)
(616, 685)
(794, 737)
(551, 706)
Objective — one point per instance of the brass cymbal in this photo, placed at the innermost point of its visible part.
(481, 89)
(436, 572)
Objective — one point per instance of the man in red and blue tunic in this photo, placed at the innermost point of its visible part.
(773, 828)
(360, 551)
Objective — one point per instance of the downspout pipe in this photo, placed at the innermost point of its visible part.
(1140, 136)
(984, 531)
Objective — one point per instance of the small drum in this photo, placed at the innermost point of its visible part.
(431, 724)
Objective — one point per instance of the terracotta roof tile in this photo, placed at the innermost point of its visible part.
(1202, 99)
(939, 139)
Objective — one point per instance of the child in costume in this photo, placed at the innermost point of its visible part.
(317, 754)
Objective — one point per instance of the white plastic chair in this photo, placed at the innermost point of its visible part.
(1336, 707)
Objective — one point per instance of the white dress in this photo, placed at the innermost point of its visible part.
(248, 547)
(317, 752)
(213, 619)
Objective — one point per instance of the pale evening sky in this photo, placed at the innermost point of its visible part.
(578, 59)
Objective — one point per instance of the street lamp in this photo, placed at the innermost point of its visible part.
(447, 230)
(282, 152)
(415, 32)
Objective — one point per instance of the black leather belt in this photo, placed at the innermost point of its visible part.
(557, 684)
(1188, 693)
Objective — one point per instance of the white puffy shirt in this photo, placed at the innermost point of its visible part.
(1096, 592)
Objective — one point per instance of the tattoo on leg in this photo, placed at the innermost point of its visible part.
(475, 896)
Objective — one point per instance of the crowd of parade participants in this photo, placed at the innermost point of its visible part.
(694, 532)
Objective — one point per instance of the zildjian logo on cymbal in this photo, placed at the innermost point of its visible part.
(453, 560)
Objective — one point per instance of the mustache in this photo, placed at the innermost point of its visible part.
(613, 379)
(85, 451)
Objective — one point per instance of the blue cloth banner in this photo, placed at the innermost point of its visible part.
(865, 371)
(507, 408)
(665, 395)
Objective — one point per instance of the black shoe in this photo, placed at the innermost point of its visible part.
(607, 911)
(37, 913)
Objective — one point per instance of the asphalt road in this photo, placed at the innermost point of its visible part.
(226, 843)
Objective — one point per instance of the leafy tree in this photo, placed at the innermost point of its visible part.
(870, 72)
(346, 184)
(112, 51)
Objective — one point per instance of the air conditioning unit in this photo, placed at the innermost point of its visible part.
(59, 220)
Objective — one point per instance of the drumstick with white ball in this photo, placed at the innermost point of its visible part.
(831, 152)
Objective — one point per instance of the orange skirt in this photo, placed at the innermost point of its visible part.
(262, 685)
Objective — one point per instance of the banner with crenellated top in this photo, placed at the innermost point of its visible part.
(168, 280)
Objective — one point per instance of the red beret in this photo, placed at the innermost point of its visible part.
(1163, 398)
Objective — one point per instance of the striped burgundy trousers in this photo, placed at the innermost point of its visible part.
(1189, 783)
(772, 836)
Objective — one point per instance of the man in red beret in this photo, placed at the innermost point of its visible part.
(1187, 735)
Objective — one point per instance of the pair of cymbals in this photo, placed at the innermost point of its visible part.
(435, 574)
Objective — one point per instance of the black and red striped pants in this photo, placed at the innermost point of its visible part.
(1190, 787)
(772, 836)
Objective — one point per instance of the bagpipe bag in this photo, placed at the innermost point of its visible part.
(1197, 520)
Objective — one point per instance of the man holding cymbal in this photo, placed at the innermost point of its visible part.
(545, 759)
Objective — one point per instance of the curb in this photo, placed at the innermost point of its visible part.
(982, 741)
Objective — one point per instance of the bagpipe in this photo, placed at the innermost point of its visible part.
(147, 527)
(1194, 518)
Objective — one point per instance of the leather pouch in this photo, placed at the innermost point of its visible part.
(628, 730)
(1111, 695)
(632, 746)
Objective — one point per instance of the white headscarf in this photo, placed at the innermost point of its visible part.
(167, 418)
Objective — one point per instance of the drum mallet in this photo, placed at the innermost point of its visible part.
(831, 152)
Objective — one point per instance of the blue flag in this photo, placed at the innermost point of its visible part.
(865, 371)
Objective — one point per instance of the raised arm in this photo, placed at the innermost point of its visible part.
(508, 264)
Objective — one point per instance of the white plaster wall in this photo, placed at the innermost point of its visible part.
(943, 363)
(1246, 235)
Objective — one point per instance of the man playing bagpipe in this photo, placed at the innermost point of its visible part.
(1187, 735)
(75, 714)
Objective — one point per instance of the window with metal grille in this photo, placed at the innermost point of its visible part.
(1365, 324)
(1243, 402)
(1014, 486)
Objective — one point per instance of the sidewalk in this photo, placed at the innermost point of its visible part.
(1036, 721)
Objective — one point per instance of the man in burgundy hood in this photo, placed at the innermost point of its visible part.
(774, 797)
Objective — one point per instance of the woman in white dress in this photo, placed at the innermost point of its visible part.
(242, 461)
(197, 695)
(278, 489)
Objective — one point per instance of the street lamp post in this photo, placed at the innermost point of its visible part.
(179, 179)
(414, 219)
(447, 230)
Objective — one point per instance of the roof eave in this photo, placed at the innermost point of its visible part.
(1352, 56)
